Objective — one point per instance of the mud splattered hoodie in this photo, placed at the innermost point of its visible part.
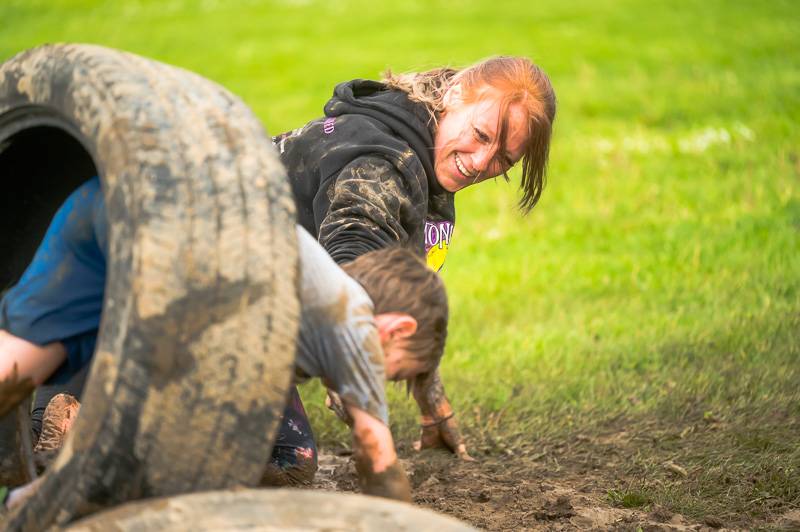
(362, 176)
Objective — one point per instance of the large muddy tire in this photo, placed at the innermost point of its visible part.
(199, 324)
(269, 510)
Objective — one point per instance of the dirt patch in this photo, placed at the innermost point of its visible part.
(505, 493)
(525, 490)
(707, 472)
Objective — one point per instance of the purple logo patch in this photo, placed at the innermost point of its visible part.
(438, 234)
(437, 241)
(327, 126)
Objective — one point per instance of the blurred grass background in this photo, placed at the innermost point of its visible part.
(658, 277)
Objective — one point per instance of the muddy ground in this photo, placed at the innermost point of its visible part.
(509, 493)
(565, 487)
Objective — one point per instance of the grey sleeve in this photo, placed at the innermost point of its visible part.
(338, 340)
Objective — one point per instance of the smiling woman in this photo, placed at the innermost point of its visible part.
(468, 149)
(486, 118)
(381, 167)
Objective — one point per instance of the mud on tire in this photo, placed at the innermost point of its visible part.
(269, 510)
(200, 316)
(16, 460)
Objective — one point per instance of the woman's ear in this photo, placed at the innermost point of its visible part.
(453, 95)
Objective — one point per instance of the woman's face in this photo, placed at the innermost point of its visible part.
(464, 146)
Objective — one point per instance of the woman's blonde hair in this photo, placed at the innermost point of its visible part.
(517, 81)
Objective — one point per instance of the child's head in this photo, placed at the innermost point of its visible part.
(410, 305)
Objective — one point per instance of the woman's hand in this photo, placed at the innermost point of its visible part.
(379, 472)
(444, 434)
(439, 426)
(334, 403)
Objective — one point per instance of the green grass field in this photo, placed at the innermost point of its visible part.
(657, 283)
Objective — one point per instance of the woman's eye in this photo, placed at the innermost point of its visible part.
(481, 136)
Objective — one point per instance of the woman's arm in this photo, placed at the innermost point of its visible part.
(379, 471)
(369, 206)
(439, 426)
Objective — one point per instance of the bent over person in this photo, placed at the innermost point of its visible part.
(383, 164)
(386, 318)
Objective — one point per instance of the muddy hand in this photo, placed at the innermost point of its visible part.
(391, 483)
(444, 434)
(334, 402)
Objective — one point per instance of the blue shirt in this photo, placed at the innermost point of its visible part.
(60, 295)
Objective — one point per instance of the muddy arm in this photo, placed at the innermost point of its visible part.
(439, 425)
(368, 207)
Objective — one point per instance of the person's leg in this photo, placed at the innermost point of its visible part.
(46, 392)
(294, 456)
(60, 414)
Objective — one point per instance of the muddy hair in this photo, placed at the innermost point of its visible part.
(399, 281)
(511, 80)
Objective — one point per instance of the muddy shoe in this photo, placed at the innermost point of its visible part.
(58, 418)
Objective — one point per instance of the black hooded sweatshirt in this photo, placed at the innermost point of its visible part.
(363, 176)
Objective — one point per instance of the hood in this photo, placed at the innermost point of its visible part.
(408, 120)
